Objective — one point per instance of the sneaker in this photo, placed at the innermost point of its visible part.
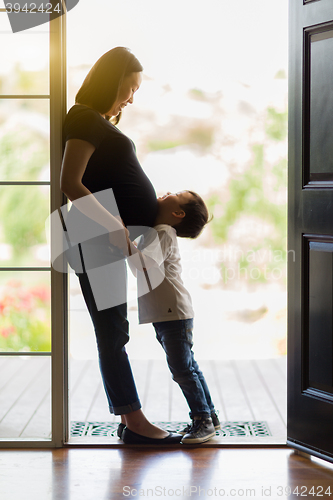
(186, 429)
(214, 418)
(216, 421)
(202, 430)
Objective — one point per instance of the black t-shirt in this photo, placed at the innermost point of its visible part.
(113, 164)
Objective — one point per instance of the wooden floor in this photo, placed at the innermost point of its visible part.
(25, 398)
(112, 474)
(242, 390)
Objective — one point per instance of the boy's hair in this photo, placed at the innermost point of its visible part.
(196, 217)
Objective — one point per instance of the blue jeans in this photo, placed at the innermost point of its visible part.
(176, 338)
(111, 329)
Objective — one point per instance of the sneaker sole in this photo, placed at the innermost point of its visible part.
(198, 440)
(216, 427)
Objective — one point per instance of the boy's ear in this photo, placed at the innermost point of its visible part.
(180, 214)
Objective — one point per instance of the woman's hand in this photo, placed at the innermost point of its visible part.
(121, 239)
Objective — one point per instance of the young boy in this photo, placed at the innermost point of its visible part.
(168, 306)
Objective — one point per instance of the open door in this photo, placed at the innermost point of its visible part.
(310, 275)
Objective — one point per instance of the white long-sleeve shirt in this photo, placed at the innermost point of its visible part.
(169, 299)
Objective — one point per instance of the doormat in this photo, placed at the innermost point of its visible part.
(228, 429)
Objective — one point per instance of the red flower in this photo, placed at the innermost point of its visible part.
(14, 283)
(5, 332)
(41, 292)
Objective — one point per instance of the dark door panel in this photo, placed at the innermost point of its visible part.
(310, 228)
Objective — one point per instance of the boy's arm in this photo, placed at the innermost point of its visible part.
(135, 256)
(130, 259)
(137, 260)
(152, 255)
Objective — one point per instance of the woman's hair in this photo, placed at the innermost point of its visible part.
(196, 217)
(101, 85)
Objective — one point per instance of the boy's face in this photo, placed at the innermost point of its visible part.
(170, 203)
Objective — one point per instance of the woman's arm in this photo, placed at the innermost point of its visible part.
(76, 156)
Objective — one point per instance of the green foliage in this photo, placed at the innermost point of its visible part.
(24, 210)
(247, 196)
(281, 75)
(281, 173)
(159, 145)
(196, 94)
(25, 318)
(23, 154)
(276, 124)
(29, 82)
(200, 136)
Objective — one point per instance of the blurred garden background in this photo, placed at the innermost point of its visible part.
(24, 158)
(210, 116)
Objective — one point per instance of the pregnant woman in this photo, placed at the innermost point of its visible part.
(99, 157)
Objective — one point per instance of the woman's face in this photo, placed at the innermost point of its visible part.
(130, 85)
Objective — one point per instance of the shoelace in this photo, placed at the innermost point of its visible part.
(196, 425)
(188, 428)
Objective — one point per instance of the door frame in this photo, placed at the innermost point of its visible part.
(59, 281)
(59, 310)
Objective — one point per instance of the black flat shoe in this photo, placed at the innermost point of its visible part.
(130, 437)
(120, 429)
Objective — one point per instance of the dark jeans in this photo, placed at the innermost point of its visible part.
(176, 339)
(111, 329)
